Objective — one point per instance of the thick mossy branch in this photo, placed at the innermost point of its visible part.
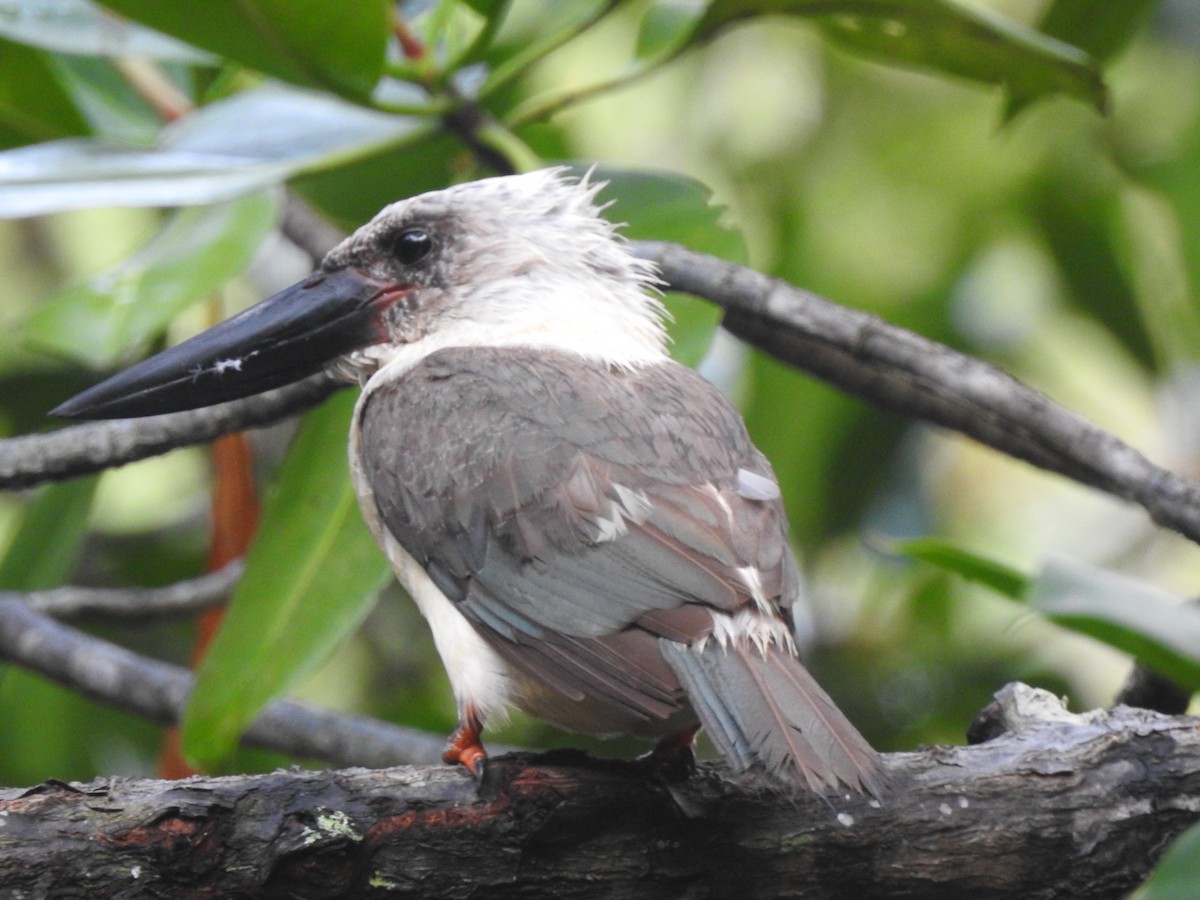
(1059, 806)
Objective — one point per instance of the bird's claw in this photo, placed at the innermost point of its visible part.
(465, 748)
(673, 756)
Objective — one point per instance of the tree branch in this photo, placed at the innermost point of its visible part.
(94, 446)
(856, 352)
(1061, 806)
(900, 371)
(158, 691)
(1057, 806)
(178, 599)
(308, 229)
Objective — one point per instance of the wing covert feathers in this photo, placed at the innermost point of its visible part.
(763, 710)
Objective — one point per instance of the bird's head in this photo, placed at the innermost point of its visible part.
(518, 260)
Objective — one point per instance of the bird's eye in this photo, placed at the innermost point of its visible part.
(412, 245)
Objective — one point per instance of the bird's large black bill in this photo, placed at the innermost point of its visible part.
(286, 337)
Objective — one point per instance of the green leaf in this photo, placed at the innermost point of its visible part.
(249, 141)
(44, 718)
(804, 428)
(351, 194)
(667, 207)
(80, 27)
(666, 29)
(1178, 872)
(43, 551)
(1154, 626)
(664, 206)
(311, 577)
(942, 35)
(1078, 222)
(1100, 27)
(1150, 624)
(319, 43)
(113, 109)
(34, 106)
(531, 31)
(1174, 176)
(100, 321)
(971, 566)
(488, 8)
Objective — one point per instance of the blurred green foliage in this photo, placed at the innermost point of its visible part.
(1175, 878)
(1037, 204)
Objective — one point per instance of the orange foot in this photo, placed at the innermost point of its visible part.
(464, 746)
(673, 755)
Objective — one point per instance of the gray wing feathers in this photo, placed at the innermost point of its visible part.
(582, 503)
(626, 669)
(766, 709)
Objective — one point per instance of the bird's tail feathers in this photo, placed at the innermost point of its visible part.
(763, 709)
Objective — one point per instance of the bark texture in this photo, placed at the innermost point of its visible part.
(1057, 805)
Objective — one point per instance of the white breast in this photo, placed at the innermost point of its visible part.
(478, 676)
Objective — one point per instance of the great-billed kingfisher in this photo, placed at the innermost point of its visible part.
(584, 522)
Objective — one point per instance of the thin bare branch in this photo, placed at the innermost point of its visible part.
(158, 691)
(94, 446)
(906, 373)
(179, 599)
(471, 124)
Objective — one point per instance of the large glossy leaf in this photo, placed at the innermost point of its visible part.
(311, 576)
(274, 122)
(351, 194)
(251, 140)
(319, 43)
(1100, 27)
(1178, 872)
(83, 27)
(664, 206)
(33, 104)
(99, 321)
(937, 34)
(667, 207)
(1139, 618)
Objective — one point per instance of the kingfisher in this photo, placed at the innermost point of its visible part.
(583, 521)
